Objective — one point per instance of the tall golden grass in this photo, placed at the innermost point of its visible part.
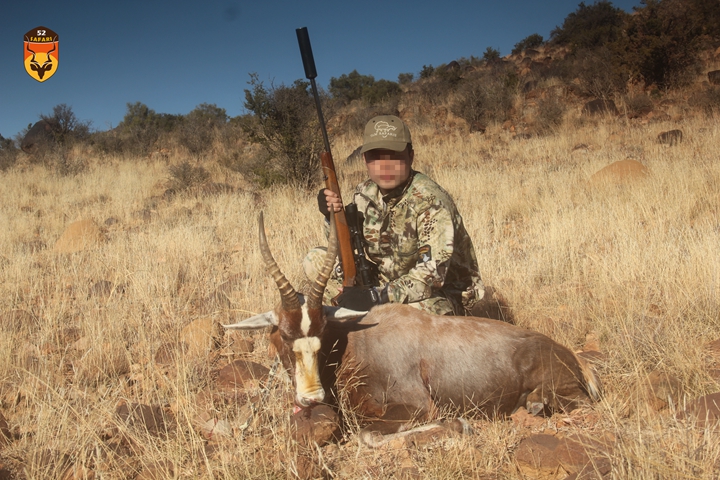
(632, 265)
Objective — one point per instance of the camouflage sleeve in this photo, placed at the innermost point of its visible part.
(435, 237)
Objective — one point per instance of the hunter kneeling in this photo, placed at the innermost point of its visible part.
(413, 235)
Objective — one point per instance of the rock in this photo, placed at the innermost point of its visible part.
(714, 77)
(79, 236)
(318, 424)
(524, 419)
(237, 343)
(167, 354)
(544, 456)
(18, 320)
(662, 390)
(213, 427)
(5, 434)
(620, 172)
(152, 419)
(671, 137)
(201, 336)
(241, 374)
(600, 107)
(705, 410)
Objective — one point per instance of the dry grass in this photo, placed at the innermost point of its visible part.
(634, 265)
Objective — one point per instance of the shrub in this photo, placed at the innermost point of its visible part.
(405, 78)
(67, 129)
(707, 100)
(590, 26)
(285, 124)
(487, 97)
(601, 73)
(551, 112)
(354, 86)
(349, 87)
(662, 43)
(200, 127)
(531, 41)
(427, 71)
(491, 54)
(8, 153)
(381, 91)
(185, 176)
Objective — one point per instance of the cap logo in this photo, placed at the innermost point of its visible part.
(384, 129)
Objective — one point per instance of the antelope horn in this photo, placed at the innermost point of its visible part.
(318, 289)
(288, 294)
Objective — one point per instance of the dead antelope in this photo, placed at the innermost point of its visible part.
(399, 363)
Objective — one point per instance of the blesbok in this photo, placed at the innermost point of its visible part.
(397, 363)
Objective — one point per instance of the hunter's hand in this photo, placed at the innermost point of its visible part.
(327, 199)
(362, 298)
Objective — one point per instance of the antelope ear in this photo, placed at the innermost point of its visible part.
(340, 313)
(267, 319)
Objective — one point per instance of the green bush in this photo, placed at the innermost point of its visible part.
(662, 42)
(491, 55)
(285, 124)
(590, 26)
(601, 72)
(405, 78)
(200, 127)
(486, 97)
(531, 41)
(8, 153)
(354, 86)
(185, 176)
(551, 112)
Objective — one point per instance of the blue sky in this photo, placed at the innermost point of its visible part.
(173, 56)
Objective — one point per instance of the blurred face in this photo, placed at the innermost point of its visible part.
(388, 168)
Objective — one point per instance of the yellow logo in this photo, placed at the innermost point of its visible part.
(40, 53)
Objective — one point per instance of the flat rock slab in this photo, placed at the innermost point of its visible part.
(622, 171)
(79, 236)
(547, 456)
(152, 419)
(704, 410)
(318, 424)
(241, 374)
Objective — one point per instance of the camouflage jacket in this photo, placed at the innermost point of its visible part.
(416, 237)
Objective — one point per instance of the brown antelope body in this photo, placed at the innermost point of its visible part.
(398, 356)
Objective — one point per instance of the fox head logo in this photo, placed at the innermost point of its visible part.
(40, 53)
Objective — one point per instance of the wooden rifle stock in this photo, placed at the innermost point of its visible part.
(328, 166)
(343, 231)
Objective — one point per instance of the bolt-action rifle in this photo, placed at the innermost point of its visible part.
(357, 269)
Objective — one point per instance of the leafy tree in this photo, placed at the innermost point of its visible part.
(200, 126)
(285, 123)
(380, 91)
(531, 41)
(66, 126)
(349, 87)
(491, 54)
(427, 71)
(662, 42)
(590, 26)
(405, 78)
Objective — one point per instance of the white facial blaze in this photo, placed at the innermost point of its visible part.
(307, 376)
(305, 322)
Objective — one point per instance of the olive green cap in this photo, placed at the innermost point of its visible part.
(386, 131)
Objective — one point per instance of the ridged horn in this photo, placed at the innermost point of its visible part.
(318, 289)
(288, 294)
